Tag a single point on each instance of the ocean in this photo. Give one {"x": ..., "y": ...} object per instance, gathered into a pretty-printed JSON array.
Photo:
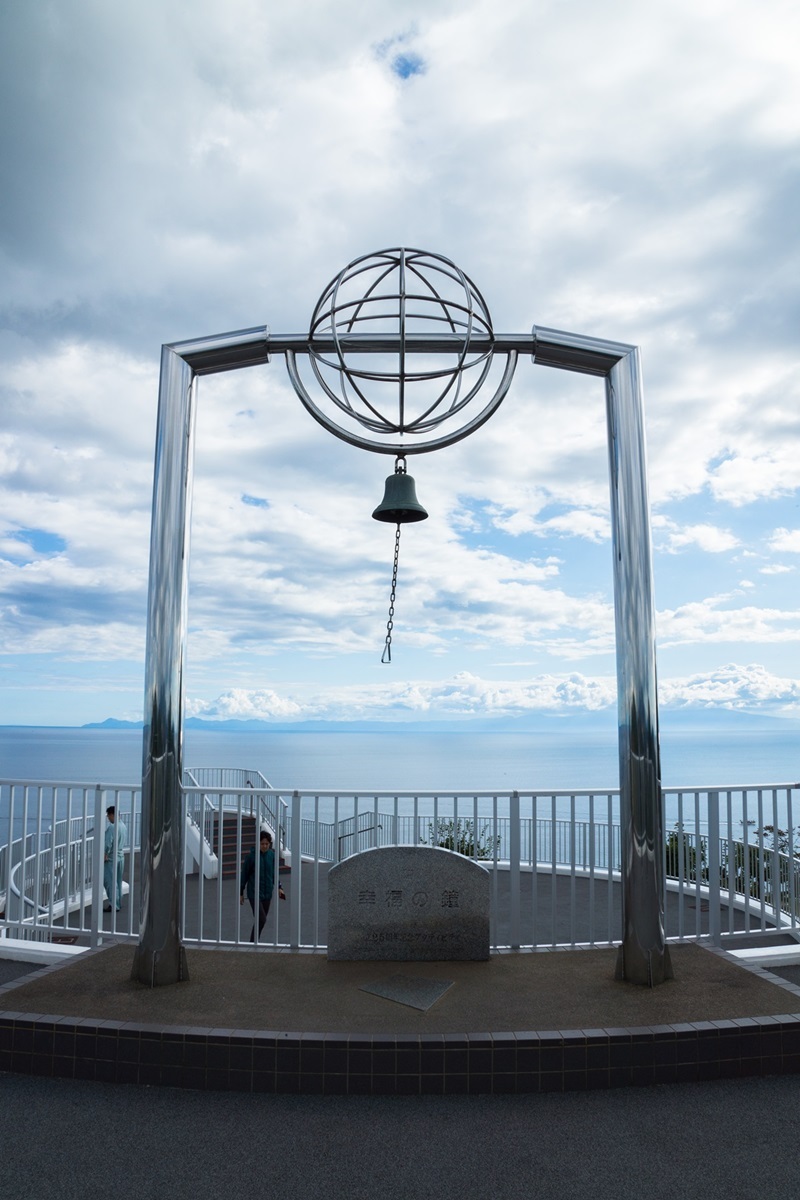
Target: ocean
[
  {"x": 470, "y": 761},
  {"x": 364, "y": 762}
]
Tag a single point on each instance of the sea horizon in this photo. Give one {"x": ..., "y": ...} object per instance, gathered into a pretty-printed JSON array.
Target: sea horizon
[
  {"x": 543, "y": 720},
  {"x": 570, "y": 756}
]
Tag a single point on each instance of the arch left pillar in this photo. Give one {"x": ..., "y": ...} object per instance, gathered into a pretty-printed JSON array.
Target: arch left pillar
[{"x": 160, "y": 957}]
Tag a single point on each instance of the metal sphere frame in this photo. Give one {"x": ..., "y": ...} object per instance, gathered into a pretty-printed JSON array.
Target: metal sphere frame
[
  {"x": 341, "y": 319},
  {"x": 160, "y": 957}
]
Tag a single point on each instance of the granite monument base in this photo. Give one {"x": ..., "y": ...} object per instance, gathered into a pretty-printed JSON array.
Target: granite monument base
[{"x": 408, "y": 904}]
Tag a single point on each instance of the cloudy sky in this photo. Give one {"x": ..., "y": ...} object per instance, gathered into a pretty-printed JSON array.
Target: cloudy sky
[{"x": 620, "y": 170}]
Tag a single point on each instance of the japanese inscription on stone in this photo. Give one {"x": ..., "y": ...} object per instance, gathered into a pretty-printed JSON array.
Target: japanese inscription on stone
[{"x": 408, "y": 903}]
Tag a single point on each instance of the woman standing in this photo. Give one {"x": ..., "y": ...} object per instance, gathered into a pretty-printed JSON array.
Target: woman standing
[{"x": 266, "y": 879}]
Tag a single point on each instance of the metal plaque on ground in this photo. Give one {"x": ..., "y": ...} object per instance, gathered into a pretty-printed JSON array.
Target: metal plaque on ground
[
  {"x": 408, "y": 904},
  {"x": 409, "y": 990}
]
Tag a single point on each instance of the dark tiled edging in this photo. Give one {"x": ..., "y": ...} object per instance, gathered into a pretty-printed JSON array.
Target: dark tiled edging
[{"x": 335, "y": 1064}]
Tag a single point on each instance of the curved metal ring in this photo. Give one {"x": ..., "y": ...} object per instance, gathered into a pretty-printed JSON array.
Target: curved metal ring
[{"x": 363, "y": 443}]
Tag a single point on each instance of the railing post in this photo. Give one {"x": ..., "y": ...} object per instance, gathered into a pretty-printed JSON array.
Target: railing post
[
  {"x": 295, "y": 881},
  {"x": 514, "y": 870},
  {"x": 96, "y": 938},
  {"x": 714, "y": 913}
]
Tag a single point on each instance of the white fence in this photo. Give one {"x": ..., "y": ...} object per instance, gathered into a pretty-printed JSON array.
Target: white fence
[
  {"x": 51, "y": 863},
  {"x": 554, "y": 858}
]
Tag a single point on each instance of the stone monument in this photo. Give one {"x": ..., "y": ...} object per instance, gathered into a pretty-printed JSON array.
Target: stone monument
[{"x": 408, "y": 904}]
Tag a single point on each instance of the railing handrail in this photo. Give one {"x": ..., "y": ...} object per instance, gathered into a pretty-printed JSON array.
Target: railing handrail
[
  {"x": 54, "y": 866},
  {"x": 729, "y": 787},
  {"x": 394, "y": 794},
  {"x": 75, "y": 784},
  {"x": 403, "y": 793}
]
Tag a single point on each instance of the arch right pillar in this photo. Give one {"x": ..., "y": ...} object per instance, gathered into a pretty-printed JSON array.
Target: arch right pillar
[{"x": 643, "y": 956}]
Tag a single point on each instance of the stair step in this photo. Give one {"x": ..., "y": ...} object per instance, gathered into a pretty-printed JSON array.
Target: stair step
[{"x": 229, "y": 854}]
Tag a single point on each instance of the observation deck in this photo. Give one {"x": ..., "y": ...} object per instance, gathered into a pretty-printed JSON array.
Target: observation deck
[{"x": 278, "y": 1016}]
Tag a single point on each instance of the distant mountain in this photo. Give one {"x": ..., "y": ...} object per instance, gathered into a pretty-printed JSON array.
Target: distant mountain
[
  {"x": 113, "y": 723},
  {"x": 670, "y": 718},
  {"x": 721, "y": 718}
]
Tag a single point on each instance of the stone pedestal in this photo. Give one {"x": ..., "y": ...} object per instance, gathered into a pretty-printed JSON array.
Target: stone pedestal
[{"x": 408, "y": 904}]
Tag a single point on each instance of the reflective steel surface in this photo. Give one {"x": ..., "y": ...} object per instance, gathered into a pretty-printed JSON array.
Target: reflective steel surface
[
  {"x": 644, "y": 957},
  {"x": 403, "y": 447},
  {"x": 398, "y": 294},
  {"x": 160, "y": 957}
]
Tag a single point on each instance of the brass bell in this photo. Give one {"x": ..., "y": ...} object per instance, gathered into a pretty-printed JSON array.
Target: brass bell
[{"x": 399, "y": 505}]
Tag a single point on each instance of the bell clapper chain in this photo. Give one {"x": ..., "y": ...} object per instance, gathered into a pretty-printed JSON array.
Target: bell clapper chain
[
  {"x": 398, "y": 507},
  {"x": 386, "y": 657}
]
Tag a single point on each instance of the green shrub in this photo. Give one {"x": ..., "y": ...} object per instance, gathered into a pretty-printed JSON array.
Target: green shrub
[
  {"x": 462, "y": 837},
  {"x": 684, "y": 855}
]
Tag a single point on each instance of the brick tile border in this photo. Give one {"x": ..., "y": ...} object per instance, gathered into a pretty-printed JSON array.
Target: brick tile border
[{"x": 250, "y": 1060}]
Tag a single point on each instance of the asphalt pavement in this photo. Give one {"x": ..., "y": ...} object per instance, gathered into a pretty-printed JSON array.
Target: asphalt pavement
[{"x": 74, "y": 1140}]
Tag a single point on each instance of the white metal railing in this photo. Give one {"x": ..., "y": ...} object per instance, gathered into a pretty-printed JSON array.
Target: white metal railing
[
  {"x": 740, "y": 844},
  {"x": 541, "y": 839},
  {"x": 51, "y": 862},
  {"x": 235, "y": 779},
  {"x": 227, "y": 784},
  {"x": 729, "y": 854},
  {"x": 569, "y": 842}
]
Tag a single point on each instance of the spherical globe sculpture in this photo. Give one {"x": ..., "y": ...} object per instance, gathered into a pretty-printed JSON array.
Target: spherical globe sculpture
[{"x": 401, "y": 344}]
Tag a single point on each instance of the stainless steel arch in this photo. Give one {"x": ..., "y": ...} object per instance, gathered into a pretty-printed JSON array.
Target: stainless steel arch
[{"x": 644, "y": 957}]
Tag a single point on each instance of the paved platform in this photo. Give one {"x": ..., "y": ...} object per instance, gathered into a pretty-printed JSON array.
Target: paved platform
[
  {"x": 304, "y": 993},
  {"x": 256, "y": 1020}
]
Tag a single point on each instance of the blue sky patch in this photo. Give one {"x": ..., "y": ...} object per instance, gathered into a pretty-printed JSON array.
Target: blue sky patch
[
  {"x": 408, "y": 64},
  {"x": 41, "y": 541},
  {"x": 405, "y": 62},
  {"x": 255, "y": 501}
]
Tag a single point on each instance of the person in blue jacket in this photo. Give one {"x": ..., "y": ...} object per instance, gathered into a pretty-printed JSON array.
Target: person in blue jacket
[{"x": 266, "y": 880}]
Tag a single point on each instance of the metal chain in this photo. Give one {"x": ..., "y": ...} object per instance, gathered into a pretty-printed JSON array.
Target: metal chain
[{"x": 386, "y": 657}]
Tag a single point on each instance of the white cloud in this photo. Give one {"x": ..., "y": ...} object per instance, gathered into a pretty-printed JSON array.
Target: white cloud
[
  {"x": 239, "y": 704},
  {"x": 637, "y": 184},
  {"x": 463, "y": 695},
  {"x": 707, "y": 621},
  {"x": 785, "y": 541},
  {"x": 732, "y": 686},
  {"x": 745, "y": 478},
  {"x": 595, "y": 527},
  {"x": 76, "y": 641},
  {"x": 708, "y": 538},
  {"x": 750, "y": 688}
]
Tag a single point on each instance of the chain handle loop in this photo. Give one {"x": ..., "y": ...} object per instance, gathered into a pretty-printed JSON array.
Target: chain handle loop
[{"x": 386, "y": 657}]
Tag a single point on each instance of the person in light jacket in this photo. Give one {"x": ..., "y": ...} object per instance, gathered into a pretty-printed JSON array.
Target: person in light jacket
[
  {"x": 266, "y": 880},
  {"x": 113, "y": 859}
]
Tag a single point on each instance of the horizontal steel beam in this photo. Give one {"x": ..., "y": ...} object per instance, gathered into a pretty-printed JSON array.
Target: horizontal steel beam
[{"x": 547, "y": 347}]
